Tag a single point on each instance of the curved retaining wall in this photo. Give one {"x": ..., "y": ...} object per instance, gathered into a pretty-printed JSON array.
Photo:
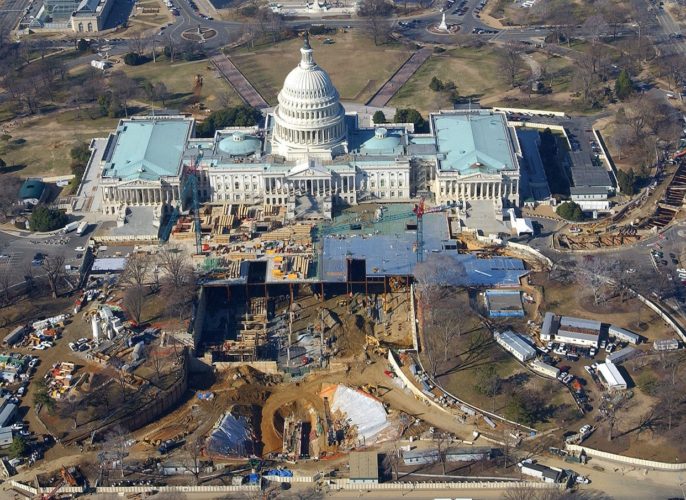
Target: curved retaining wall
[{"x": 627, "y": 460}]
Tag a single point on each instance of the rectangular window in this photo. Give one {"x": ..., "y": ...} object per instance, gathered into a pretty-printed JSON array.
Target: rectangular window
[
  {"x": 237, "y": 186},
  {"x": 382, "y": 183},
  {"x": 392, "y": 194}
]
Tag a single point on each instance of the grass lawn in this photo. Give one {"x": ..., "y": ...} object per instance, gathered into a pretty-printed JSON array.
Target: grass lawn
[
  {"x": 476, "y": 72},
  {"x": 356, "y": 66},
  {"x": 139, "y": 22},
  {"x": 42, "y": 144},
  {"x": 179, "y": 79}
]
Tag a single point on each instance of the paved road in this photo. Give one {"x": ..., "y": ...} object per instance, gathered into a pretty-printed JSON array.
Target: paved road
[
  {"x": 409, "y": 68},
  {"x": 236, "y": 79}
]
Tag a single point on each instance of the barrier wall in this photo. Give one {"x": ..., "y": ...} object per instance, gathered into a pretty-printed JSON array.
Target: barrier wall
[
  {"x": 532, "y": 111},
  {"x": 410, "y": 385},
  {"x": 292, "y": 479},
  {"x": 346, "y": 484},
  {"x": 530, "y": 251},
  {"x": 626, "y": 460},
  {"x": 667, "y": 318},
  {"x": 413, "y": 319}
]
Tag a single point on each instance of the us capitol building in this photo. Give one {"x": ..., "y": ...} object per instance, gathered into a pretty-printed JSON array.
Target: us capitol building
[{"x": 309, "y": 155}]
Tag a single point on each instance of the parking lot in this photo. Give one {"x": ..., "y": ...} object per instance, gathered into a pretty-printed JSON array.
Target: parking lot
[{"x": 17, "y": 253}]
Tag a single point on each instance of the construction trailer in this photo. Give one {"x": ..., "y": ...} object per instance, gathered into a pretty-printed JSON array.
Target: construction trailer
[
  {"x": 543, "y": 472},
  {"x": 610, "y": 377},
  {"x": 623, "y": 335},
  {"x": 622, "y": 355},
  {"x": 516, "y": 344},
  {"x": 544, "y": 369},
  {"x": 666, "y": 345}
]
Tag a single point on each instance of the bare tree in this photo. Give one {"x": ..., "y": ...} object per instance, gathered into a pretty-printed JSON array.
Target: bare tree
[
  {"x": 511, "y": 60},
  {"x": 192, "y": 457},
  {"x": 123, "y": 87},
  {"x": 377, "y": 25},
  {"x": 391, "y": 461},
  {"x": 138, "y": 44},
  {"x": 137, "y": 268},
  {"x": 117, "y": 442},
  {"x": 442, "y": 442},
  {"x": 5, "y": 285},
  {"x": 134, "y": 299},
  {"x": 54, "y": 269}
]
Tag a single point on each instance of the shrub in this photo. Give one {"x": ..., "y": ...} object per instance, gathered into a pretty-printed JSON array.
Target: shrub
[
  {"x": 133, "y": 59},
  {"x": 47, "y": 219},
  {"x": 238, "y": 116},
  {"x": 379, "y": 117},
  {"x": 570, "y": 211}
]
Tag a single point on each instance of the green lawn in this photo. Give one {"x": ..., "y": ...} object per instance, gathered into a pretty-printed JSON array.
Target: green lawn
[
  {"x": 476, "y": 72},
  {"x": 357, "y": 67}
]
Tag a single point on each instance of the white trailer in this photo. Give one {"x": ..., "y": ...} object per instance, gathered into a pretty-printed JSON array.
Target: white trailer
[
  {"x": 82, "y": 228},
  {"x": 71, "y": 227}
]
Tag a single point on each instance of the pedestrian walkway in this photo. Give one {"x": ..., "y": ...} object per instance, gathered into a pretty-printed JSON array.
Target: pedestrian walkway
[
  {"x": 241, "y": 84},
  {"x": 399, "y": 78}
]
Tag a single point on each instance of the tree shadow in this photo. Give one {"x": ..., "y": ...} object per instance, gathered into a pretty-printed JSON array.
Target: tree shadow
[{"x": 11, "y": 169}]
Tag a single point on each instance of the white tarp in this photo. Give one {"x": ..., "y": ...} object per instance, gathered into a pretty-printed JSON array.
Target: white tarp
[
  {"x": 233, "y": 436},
  {"x": 364, "y": 412}
]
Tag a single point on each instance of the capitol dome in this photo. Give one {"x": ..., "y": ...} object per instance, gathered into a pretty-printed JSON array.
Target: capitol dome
[{"x": 309, "y": 119}]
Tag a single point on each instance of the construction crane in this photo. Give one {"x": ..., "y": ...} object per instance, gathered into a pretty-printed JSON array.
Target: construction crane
[
  {"x": 190, "y": 187},
  {"x": 417, "y": 212},
  {"x": 51, "y": 495}
]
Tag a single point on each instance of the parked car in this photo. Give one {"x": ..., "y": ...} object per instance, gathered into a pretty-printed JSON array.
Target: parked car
[
  {"x": 586, "y": 428},
  {"x": 80, "y": 249},
  {"x": 568, "y": 378}
]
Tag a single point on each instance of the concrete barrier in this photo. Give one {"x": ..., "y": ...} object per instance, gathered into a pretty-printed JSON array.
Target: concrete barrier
[
  {"x": 531, "y": 251},
  {"x": 127, "y": 490},
  {"x": 413, "y": 319},
  {"x": 24, "y": 487},
  {"x": 532, "y": 111},
  {"x": 666, "y": 317},
  {"x": 410, "y": 385},
  {"x": 292, "y": 479},
  {"x": 639, "y": 462},
  {"x": 346, "y": 484}
]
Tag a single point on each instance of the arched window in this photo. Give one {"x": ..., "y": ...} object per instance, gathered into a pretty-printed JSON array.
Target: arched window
[
  {"x": 80, "y": 27},
  {"x": 90, "y": 26}
]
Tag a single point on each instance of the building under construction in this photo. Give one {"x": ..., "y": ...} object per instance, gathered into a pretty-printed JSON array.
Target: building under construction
[{"x": 257, "y": 267}]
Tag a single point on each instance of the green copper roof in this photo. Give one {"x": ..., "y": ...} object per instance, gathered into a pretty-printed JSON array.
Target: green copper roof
[
  {"x": 475, "y": 142},
  {"x": 240, "y": 144},
  {"x": 31, "y": 188},
  {"x": 148, "y": 149}
]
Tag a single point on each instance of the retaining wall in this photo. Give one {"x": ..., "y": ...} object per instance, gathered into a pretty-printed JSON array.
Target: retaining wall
[
  {"x": 627, "y": 460},
  {"x": 530, "y": 251},
  {"x": 664, "y": 315},
  {"x": 410, "y": 385}
]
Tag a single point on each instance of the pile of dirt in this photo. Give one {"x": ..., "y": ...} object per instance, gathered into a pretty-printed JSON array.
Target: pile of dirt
[{"x": 350, "y": 336}]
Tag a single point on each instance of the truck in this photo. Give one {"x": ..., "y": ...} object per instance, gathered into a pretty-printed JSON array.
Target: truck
[
  {"x": 82, "y": 228},
  {"x": 71, "y": 227}
]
